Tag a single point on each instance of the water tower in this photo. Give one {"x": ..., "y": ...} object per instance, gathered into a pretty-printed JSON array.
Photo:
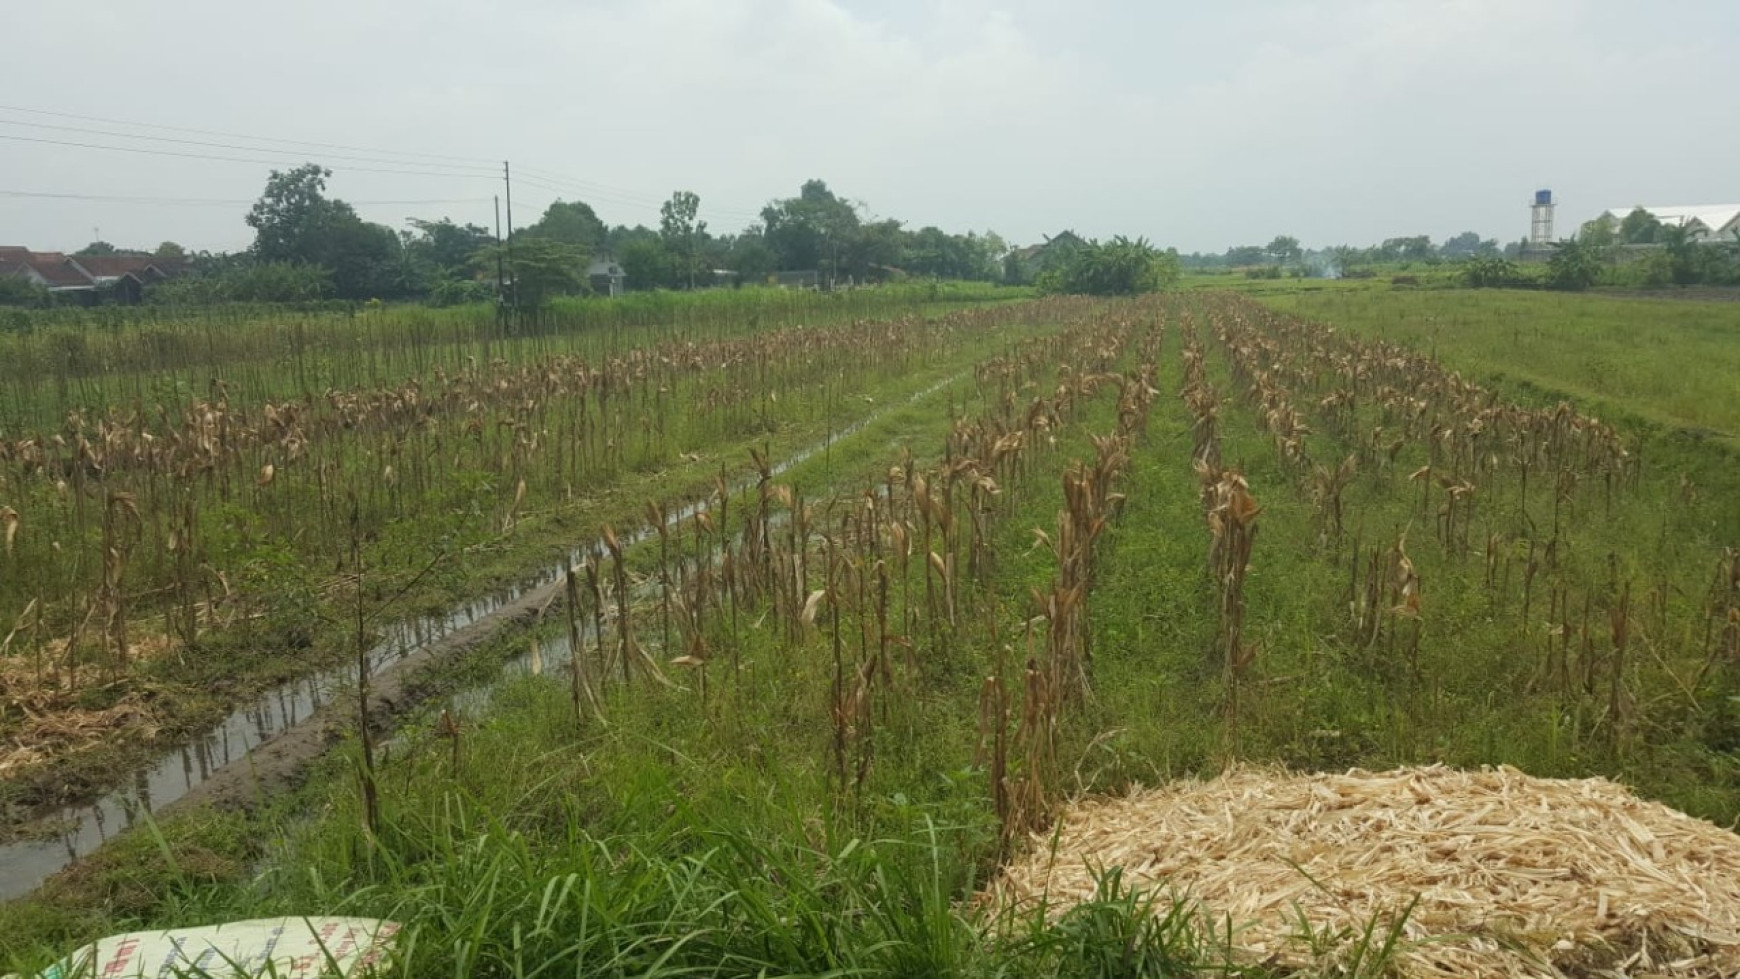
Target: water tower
[{"x": 1541, "y": 218}]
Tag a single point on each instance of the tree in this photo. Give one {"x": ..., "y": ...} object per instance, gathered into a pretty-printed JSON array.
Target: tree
[
  {"x": 1343, "y": 259},
  {"x": 750, "y": 257},
  {"x": 169, "y": 251},
  {"x": 1688, "y": 262},
  {"x": 97, "y": 249},
  {"x": 871, "y": 251},
  {"x": 290, "y": 213},
  {"x": 444, "y": 248},
  {"x": 1640, "y": 228},
  {"x": 1467, "y": 245},
  {"x": 647, "y": 264},
  {"x": 810, "y": 231},
  {"x": 538, "y": 269},
  {"x": 295, "y": 222},
  {"x": 1575, "y": 266},
  {"x": 1246, "y": 255},
  {"x": 679, "y": 229},
  {"x": 572, "y": 223},
  {"x": 992, "y": 247},
  {"x": 934, "y": 252},
  {"x": 1599, "y": 233},
  {"x": 1284, "y": 250},
  {"x": 1415, "y": 248}
]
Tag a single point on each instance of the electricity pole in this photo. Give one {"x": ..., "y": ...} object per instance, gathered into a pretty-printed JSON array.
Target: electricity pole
[
  {"x": 507, "y": 177},
  {"x": 500, "y": 272}
]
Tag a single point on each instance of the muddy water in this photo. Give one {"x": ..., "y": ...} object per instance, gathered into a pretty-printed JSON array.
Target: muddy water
[{"x": 62, "y": 837}]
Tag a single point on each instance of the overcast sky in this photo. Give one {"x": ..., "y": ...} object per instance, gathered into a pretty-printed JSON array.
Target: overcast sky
[{"x": 1199, "y": 125}]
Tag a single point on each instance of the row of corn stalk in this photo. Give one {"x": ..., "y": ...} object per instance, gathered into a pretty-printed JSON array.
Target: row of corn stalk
[{"x": 1501, "y": 482}]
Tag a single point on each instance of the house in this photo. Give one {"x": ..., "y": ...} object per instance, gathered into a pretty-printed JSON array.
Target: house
[
  {"x": 126, "y": 275},
  {"x": 1703, "y": 222},
  {"x": 87, "y": 278},
  {"x": 15, "y": 264},
  {"x": 606, "y": 277}
]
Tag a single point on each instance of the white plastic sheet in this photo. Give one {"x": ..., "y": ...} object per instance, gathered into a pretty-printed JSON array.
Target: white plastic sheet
[{"x": 282, "y": 948}]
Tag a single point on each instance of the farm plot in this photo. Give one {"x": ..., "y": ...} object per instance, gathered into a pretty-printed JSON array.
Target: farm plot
[
  {"x": 163, "y": 557},
  {"x": 799, "y": 726}
]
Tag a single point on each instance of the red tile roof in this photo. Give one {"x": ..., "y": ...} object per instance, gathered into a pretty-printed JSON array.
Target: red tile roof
[
  {"x": 114, "y": 266},
  {"x": 59, "y": 271},
  {"x": 62, "y": 271}
]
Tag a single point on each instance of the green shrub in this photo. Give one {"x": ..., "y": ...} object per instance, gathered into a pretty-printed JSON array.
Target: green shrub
[
  {"x": 1490, "y": 272},
  {"x": 1120, "y": 267}
]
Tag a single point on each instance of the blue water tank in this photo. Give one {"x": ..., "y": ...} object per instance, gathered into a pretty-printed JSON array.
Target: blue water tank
[{"x": 1543, "y": 198}]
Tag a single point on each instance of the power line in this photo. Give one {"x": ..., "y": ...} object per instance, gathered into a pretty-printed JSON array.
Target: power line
[
  {"x": 631, "y": 201},
  {"x": 607, "y": 191},
  {"x": 231, "y": 146},
  {"x": 257, "y": 139},
  {"x": 225, "y": 159},
  {"x": 464, "y": 167},
  {"x": 588, "y": 186},
  {"x": 213, "y": 202},
  {"x": 605, "y": 197}
]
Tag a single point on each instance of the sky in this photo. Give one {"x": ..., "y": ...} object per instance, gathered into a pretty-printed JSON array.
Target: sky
[{"x": 1198, "y": 125}]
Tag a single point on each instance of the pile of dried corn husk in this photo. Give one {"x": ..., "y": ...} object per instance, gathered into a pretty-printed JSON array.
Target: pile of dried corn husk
[{"x": 1516, "y": 876}]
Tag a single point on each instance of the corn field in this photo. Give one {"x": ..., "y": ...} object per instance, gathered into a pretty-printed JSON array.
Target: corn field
[{"x": 1065, "y": 547}]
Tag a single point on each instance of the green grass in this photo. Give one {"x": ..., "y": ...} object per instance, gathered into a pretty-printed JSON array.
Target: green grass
[{"x": 1672, "y": 363}]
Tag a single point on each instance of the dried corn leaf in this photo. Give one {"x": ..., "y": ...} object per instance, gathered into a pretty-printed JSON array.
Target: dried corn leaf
[{"x": 1516, "y": 876}]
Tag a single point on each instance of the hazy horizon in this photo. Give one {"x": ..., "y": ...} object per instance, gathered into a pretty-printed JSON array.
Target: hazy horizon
[{"x": 1345, "y": 122}]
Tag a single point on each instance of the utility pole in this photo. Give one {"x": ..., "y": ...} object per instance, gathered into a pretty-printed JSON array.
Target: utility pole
[
  {"x": 500, "y": 276},
  {"x": 507, "y": 178}
]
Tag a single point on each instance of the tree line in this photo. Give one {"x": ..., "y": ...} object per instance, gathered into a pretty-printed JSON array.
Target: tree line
[
  {"x": 309, "y": 245},
  {"x": 1285, "y": 254},
  {"x": 1638, "y": 251}
]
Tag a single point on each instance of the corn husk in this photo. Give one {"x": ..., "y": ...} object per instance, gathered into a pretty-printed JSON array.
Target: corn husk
[{"x": 1514, "y": 875}]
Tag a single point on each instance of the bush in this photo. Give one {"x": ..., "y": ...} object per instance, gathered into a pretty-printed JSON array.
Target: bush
[
  {"x": 261, "y": 282},
  {"x": 1489, "y": 273},
  {"x": 1120, "y": 267},
  {"x": 17, "y": 292},
  {"x": 1574, "y": 266}
]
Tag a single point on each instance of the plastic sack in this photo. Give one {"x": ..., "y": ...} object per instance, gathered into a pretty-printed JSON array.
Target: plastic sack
[{"x": 281, "y": 948}]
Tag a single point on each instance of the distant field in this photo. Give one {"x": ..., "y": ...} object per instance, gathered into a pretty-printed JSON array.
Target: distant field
[{"x": 1669, "y": 361}]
